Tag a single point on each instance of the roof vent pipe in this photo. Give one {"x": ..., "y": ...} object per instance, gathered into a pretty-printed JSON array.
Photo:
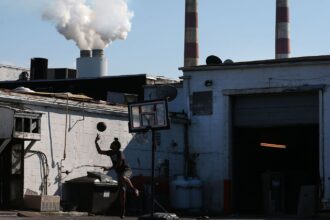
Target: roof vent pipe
[{"x": 213, "y": 60}]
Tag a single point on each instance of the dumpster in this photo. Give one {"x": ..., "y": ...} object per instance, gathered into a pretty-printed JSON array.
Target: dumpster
[{"x": 95, "y": 193}]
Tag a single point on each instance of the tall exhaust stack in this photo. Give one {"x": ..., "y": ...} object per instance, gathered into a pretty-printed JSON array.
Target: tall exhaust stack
[
  {"x": 191, "y": 34},
  {"x": 92, "y": 64},
  {"x": 282, "y": 45}
]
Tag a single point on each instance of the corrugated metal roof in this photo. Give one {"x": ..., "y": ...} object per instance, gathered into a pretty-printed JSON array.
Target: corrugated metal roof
[{"x": 61, "y": 100}]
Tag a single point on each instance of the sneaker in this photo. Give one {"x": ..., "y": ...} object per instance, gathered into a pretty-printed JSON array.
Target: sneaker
[{"x": 122, "y": 215}]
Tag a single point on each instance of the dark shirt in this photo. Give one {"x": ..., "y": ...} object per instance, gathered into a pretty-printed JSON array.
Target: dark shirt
[
  {"x": 118, "y": 161},
  {"x": 117, "y": 157}
]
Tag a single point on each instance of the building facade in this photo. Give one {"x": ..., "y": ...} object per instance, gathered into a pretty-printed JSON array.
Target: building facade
[
  {"x": 259, "y": 129},
  {"x": 52, "y": 138}
]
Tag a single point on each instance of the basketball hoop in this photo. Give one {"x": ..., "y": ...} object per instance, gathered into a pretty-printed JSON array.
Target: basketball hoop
[{"x": 149, "y": 115}]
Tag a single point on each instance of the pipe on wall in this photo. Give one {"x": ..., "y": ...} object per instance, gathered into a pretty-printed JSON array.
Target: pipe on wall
[{"x": 321, "y": 150}]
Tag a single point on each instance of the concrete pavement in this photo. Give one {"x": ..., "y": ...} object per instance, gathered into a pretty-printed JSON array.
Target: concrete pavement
[
  {"x": 41, "y": 217},
  {"x": 30, "y": 215}
]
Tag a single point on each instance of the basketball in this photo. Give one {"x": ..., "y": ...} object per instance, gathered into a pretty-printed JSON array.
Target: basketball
[{"x": 101, "y": 126}]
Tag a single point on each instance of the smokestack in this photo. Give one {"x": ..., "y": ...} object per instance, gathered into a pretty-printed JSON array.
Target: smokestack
[
  {"x": 98, "y": 53},
  {"x": 282, "y": 44},
  {"x": 85, "y": 53},
  {"x": 92, "y": 64},
  {"x": 191, "y": 34}
]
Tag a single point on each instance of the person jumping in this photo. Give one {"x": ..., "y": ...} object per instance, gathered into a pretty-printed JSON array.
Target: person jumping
[{"x": 123, "y": 170}]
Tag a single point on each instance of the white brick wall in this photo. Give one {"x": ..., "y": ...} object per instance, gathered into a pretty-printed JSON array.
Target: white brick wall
[{"x": 81, "y": 153}]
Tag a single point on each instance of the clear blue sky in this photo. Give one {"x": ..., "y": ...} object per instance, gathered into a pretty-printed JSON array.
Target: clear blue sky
[{"x": 241, "y": 30}]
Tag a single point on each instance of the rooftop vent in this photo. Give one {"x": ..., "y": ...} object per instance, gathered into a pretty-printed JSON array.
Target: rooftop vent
[
  {"x": 38, "y": 69},
  {"x": 213, "y": 60},
  {"x": 228, "y": 61}
]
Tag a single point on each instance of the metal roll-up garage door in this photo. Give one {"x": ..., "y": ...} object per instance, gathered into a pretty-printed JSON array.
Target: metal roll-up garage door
[{"x": 276, "y": 109}]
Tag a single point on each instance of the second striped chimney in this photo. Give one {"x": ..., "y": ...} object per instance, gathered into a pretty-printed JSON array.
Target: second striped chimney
[
  {"x": 282, "y": 44},
  {"x": 191, "y": 34}
]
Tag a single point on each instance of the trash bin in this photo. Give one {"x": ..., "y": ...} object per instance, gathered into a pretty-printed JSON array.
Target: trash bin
[{"x": 94, "y": 193}]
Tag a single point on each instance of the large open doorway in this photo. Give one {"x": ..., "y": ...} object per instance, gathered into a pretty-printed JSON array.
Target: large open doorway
[
  {"x": 11, "y": 174},
  {"x": 292, "y": 163},
  {"x": 275, "y": 151}
]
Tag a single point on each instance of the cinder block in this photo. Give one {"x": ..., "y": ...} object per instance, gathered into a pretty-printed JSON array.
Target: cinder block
[{"x": 42, "y": 203}]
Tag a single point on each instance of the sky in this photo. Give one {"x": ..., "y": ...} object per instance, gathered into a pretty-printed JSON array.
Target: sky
[{"x": 241, "y": 30}]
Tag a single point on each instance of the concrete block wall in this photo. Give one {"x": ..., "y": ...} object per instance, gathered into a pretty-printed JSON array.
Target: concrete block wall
[
  {"x": 139, "y": 151},
  {"x": 209, "y": 135},
  {"x": 81, "y": 155},
  {"x": 172, "y": 141}
]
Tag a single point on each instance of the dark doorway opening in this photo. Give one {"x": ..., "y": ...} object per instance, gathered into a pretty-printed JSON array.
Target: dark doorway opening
[
  {"x": 286, "y": 157},
  {"x": 12, "y": 175}
]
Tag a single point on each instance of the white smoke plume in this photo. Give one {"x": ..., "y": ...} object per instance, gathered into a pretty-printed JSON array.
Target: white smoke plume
[{"x": 91, "y": 24}]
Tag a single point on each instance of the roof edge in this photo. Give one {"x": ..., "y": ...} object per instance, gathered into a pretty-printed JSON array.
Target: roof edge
[{"x": 292, "y": 60}]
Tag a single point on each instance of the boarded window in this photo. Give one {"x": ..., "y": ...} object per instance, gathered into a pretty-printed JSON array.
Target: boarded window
[
  {"x": 202, "y": 103},
  {"x": 27, "y": 126}
]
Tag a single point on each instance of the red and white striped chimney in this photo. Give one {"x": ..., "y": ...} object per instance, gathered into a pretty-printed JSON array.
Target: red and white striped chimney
[
  {"x": 191, "y": 34},
  {"x": 282, "y": 45}
]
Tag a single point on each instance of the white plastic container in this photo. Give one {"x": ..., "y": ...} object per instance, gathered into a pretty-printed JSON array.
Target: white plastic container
[
  {"x": 179, "y": 192},
  {"x": 196, "y": 195}
]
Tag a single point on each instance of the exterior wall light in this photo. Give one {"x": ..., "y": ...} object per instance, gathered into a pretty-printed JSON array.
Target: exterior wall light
[{"x": 208, "y": 83}]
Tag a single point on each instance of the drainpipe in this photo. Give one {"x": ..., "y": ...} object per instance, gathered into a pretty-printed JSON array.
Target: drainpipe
[
  {"x": 186, "y": 126},
  {"x": 65, "y": 143},
  {"x": 324, "y": 201},
  {"x": 66, "y": 125},
  {"x": 186, "y": 148},
  {"x": 187, "y": 79}
]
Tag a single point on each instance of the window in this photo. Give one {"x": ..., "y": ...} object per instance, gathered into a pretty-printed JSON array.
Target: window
[
  {"x": 27, "y": 126},
  {"x": 202, "y": 103}
]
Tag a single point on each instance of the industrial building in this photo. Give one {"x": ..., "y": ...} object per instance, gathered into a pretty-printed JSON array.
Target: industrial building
[
  {"x": 253, "y": 132},
  {"x": 91, "y": 71},
  {"x": 259, "y": 129},
  {"x": 48, "y": 139},
  {"x": 56, "y": 112}
]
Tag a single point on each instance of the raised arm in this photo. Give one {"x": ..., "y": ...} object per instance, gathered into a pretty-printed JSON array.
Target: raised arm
[{"x": 99, "y": 150}]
